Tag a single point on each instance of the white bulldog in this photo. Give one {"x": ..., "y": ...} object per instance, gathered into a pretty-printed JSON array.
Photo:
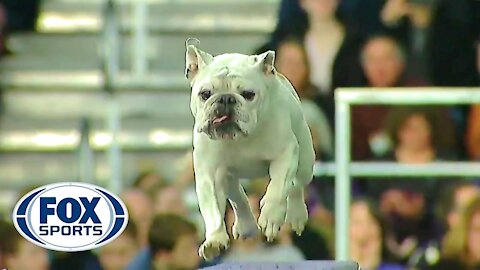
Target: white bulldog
[{"x": 248, "y": 123}]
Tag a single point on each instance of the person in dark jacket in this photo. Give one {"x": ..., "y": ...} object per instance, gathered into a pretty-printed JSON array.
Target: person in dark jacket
[
  {"x": 441, "y": 38},
  {"x": 332, "y": 47},
  {"x": 461, "y": 249}
]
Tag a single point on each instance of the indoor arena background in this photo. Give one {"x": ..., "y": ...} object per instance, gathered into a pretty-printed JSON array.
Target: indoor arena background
[{"x": 94, "y": 91}]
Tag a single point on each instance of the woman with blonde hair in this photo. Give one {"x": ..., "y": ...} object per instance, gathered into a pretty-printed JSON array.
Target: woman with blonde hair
[{"x": 461, "y": 247}]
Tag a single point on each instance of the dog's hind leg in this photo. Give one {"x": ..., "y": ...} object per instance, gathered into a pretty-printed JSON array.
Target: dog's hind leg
[
  {"x": 245, "y": 224},
  {"x": 297, "y": 215}
]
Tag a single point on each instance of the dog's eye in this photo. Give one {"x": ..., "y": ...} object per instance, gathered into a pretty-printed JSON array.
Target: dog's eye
[
  {"x": 248, "y": 94},
  {"x": 205, "y": 94}
]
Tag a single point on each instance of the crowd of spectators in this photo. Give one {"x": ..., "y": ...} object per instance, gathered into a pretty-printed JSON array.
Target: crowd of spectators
[{"x": 396, "y": 223}]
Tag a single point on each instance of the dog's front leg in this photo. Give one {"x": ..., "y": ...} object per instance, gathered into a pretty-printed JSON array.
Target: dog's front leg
[
  {"x": 212, "y": 202},
  {"x": 274, "y": 202}
]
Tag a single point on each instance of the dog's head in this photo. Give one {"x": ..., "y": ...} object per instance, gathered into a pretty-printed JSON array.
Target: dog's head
[{"x": 229, "y": 91}]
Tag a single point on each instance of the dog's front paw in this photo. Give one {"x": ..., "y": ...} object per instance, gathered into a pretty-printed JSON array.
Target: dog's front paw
[
  {"x": 272, "y": 217},
  {"x": 213, "y": 245},
  {"x": 244, "y": 228},
  {"x": 297, "y": 215}
]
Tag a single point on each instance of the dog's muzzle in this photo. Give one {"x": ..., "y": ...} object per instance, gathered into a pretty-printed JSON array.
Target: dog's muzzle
[{"x": 222, "y": 124}]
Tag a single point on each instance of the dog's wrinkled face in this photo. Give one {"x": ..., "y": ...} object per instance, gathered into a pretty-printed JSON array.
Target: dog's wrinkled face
[{"x": 228, "y": 91}]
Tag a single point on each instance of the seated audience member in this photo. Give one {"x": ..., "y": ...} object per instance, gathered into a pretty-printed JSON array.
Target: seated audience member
[
  {"x": 461, "y": 249},
  {"x": 455, "y": 200},
  {"x": 186, "y": 177},
  {"x": 81, "y": 260},
  {"x": 360, "y": 17},
  {"x": 256, "y": 249},
  {"x": 420, "y": 134},
  {"x": 291, "y": 60},
  {"x": 148, "y": 181},
  {"x": 473, "y": 133},
  {"x": 173, "y": 245},
  {"x": 366, "y": 237},
  {"x": 169, "y": 200},
  {"x": 117, "y": 254},
  {"x": 409, "y": 21},
  {"x": 450, "y": 204},
  {"x": 439, "y": 36},
  {"x": 416, "y": 133},
  {"x": 140, "y": 210},
  {"x": 331, "y": 49},
  {"x": 383, "y": 63},
  {"x": 17, "y": 253}
]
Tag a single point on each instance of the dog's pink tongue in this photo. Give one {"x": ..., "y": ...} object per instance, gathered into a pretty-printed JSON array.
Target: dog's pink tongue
[{"x": 221, "y": 119}]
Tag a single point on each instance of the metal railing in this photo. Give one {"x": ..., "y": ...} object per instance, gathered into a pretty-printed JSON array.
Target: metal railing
[
  {"x": 110, "y": 73},
  {"x": 344, "y": 168}
]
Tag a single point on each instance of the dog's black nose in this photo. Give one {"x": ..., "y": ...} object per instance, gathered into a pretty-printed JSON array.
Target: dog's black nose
[{"x": 227, "y": 99}]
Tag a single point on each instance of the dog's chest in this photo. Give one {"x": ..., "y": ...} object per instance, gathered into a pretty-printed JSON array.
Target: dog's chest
[
  {"x": 247, "y": 163},
  {"x": 249, "y": 168}
]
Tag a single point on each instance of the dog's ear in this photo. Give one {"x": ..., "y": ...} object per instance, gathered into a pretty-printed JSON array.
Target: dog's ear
[
  {"x": 195, "y": 59},
  {"x": 266, "y": 62}
]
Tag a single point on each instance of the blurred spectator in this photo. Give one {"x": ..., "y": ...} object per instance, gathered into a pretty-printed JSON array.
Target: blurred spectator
[
  {"x": 461, "y": 249},
  {"x": 450, "y": 204},
  {"x": 454, "y": 35},
  {"x": 332, "y": 52},
  {"x": 173, "y": 245},
  {"x": 292, "y": 20},
  {"x": 256, "y": 249},
  {"x": 149, "y": 182},
  {"x": 186, "y": 176},
  {"x": 17, "y": 253},
  {"x": 170, "y": 200},
  {"x": 417, "y": 135},
  {"x": 291, "y": 60},
  {"x": 117, "y": 254},
  {"x": 312, "y": 243},
  {"x": 440, "y": 37},
  {"x": 140, "y": 210},
  {"x": 367, "y": 232},
  {"x": 473, "y": 133},
  {"x": 383, "y": 63},
  {"x": 21, "y": 14},
  {"x": 454, "y": 201},
  {"x": 331, "y": 49},
  {"x": 453, "y": 39},
  {"x": 81, "y": 260},
  {"x": 360, "y": 16},
  {"x": 409, "y": 21},
  {"x": 16, "y": 15}
]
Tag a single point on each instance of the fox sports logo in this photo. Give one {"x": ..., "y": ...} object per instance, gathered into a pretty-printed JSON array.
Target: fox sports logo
[{"x": 70, "y": 216}]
